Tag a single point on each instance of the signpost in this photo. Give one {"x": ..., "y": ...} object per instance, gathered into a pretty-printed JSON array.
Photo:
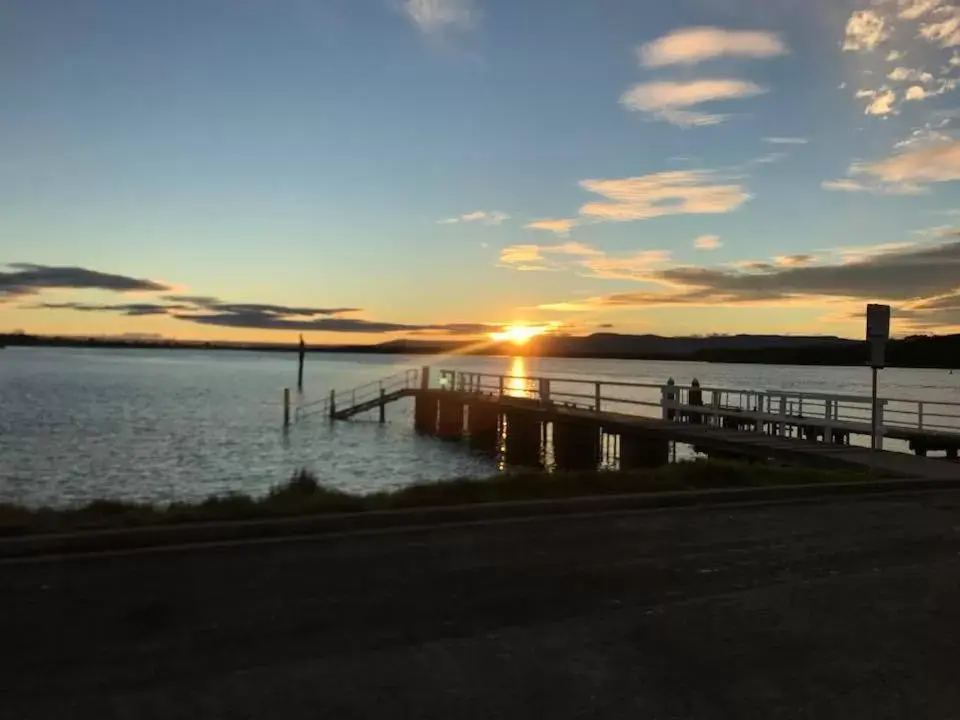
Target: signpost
[{"x": 878, "y": 333}]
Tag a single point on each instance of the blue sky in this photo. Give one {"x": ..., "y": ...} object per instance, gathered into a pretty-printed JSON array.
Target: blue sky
[{"x": 387, "y": 167}]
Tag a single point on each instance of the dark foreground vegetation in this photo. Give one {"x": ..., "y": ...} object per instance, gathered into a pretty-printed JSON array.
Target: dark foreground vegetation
[{"x": 303, "y": 494}]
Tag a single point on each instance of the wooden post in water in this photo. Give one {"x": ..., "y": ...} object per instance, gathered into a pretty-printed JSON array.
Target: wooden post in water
[
  {"x": 286, "y": 407},
  {"x": 383, "y": 406},
  {"x": 333, "y": 404},
  {"x": 300, "y": 365}
]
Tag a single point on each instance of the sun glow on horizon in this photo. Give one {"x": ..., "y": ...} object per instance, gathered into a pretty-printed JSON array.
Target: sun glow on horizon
[{"x": 520, "y": 334}]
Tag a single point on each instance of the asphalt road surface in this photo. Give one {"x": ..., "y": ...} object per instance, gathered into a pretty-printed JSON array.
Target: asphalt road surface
[{"x": 841, "y": 609}]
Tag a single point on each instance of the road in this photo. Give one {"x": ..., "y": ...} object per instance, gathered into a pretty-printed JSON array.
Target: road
[{"x": 840, "y": 609}]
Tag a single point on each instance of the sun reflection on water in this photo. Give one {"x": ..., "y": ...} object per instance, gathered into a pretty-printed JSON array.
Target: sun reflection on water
[{"x": 517, "y": 384}]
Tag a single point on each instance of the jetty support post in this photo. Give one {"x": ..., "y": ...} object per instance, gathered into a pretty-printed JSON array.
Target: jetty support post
[
  {"x": 333, "y": 404},
  {"x": 286, "y": 407},
  {"x": 576, "y": 445},
  {"x": 483, "y": 426},
  {"x": 383, "y": 406},
  {"x": 450, "y": 418},
  {"x": 300, "y": 355},
  {"x": 639, "y": 451},
  {"x": 523, "y": 440}
]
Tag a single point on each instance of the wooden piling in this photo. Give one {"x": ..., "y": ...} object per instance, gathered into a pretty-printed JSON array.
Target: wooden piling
[
  {"x": 383, "y": 406},
  {"x": 300, "y": 365},
  {"x": 523, "y": 440},
  {"x": 286, "y": 407},
  {"x": 643, "y": 451},
  {"x": 425, "y": 413},
  {"x": 483, "y": 426},
  {"x": 576, "y": 445},
  {"x": 450, "y": 423}
]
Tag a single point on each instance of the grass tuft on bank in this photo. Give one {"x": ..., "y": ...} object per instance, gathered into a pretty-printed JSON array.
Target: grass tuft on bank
[{"x": 304, "y": 494}]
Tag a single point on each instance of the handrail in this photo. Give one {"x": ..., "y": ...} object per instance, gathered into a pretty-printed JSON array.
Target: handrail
[
  {"x": 360, "y": 394},
  {"x": 820, "y": 409},
  {"x": 824, "y": 410}
]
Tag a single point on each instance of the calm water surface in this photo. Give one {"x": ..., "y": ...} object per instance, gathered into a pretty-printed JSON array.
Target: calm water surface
[{"x": 78, "y": 424}]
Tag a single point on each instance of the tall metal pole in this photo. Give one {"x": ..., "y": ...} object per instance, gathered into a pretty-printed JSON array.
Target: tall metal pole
[{"x": 873, "y": 409}]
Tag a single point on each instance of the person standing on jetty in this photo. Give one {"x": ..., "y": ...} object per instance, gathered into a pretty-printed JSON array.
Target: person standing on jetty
[
  {"x": 670, "y": 398},
  {"x": 696, "y": 398}
]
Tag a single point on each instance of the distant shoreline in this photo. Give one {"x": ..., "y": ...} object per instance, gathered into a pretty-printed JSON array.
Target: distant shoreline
[{"x": 918, "y": 352}]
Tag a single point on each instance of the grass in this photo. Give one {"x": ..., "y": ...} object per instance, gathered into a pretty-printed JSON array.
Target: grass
[{"x": 303, "y": 494}]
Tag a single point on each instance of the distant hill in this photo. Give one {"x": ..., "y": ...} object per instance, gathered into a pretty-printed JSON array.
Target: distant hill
[
  {"x": 915, "y": 351},
  {"x": 614, "y": 345}
]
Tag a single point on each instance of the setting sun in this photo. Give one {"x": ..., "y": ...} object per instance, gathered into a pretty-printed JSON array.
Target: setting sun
[{"x": 519, "y": 334}]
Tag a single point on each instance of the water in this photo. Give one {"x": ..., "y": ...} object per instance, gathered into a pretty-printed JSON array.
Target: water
[{"x": 80, "y": 424}]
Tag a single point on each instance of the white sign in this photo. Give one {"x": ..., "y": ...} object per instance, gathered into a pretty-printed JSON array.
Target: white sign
[{"x": 878, "y": 332}]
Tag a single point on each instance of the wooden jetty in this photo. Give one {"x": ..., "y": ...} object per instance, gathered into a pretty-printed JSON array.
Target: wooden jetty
[{"x": 584, "y": 422}]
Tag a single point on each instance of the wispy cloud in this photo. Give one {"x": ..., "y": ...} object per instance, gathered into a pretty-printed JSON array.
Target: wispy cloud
[
  {"x": 128, "y": 309},
  {"x": 585, "y": 260},
  {"x": 922, "y": 280},
  {"x": 530, "y": 257},
  {"x": 914, "y": 168},
  {"x": 692, "y": 45},
  {"x": 904, "y": 74},
  {"x": 935, "y": 21},
  {"x": 560, "y": 227},
  {"x": 853, "y": 254},
  {"x": 844, "y": 185},
  {"x": 486, "y": 217},
  {"x": 799, "y": 260},
  {"x": 786, "y": 140},
  {"x": 945, "y": 31},
  {"x": 707, "y": 242},
  {"x": 882, "y": 102},
  {"x": 671, "y": 100},
  {"x": 434, "y": 16},
  {"x": 866, "y": 29},
  {"x": 874, "y": 188},
  {"x": 639, "y": 265},
  {"x": 914, "y": 9},
  {"x": 680, "y": 192},
  {"x": 575, "y": 249}
]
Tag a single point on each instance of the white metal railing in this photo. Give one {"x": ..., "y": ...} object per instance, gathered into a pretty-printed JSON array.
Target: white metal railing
[
  {"x": 785, "y": 411},
  {"x": 347, "y": 399}
]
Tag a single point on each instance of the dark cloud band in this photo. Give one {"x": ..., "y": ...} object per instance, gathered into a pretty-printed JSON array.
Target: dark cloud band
[
  {"x": 26, "y": 279},
  {"x": 29, "y": 279}
]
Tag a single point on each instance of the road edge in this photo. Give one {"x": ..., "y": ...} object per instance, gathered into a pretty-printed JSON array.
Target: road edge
[{"x": 127, "y": 539}]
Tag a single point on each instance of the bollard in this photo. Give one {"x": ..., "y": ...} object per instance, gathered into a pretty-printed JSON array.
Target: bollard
[{"x": 286, "y": 407}]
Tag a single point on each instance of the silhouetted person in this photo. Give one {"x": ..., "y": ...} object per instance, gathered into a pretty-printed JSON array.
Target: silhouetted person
[
  {"x": 670, "y": 397},
  {"x": 696, "y": 398}
]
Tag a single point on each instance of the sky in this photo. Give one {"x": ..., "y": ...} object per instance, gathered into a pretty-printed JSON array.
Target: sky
[{"x": 363, "y": 170}]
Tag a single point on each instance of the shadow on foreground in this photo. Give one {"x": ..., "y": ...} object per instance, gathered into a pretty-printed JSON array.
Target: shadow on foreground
[{"x": 843, "y": 609}]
